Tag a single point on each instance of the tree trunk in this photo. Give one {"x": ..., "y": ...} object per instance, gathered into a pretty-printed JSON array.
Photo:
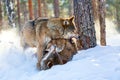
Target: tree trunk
[
  {"x": 56, "y": 8},
  {"x": 70, "y": 7},
  {"x": 10, "y": 12},
  {"x": 35, "y": 8},
  {"x": 117, "y": 9},
  {"x": 0, "y": 14},
  {"x": 39, "y": 8},
  {"x": 25, "y": 11},
  {"x": 4, "y": 9},
  {"x": 30, "y": 6},
  {"x": 101, "y": 5},
  {"x": 118, "y": 18},
  {"x": 95, "y": 9},
  {"x": 45, "y": 8},
  {"x": 18, "y": 11},
  {"x": 85, "y": 23}
]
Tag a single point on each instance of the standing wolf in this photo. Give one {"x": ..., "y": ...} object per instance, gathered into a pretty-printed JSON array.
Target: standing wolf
[
  {"x": 28, "y": 33},
  {"x": 52, "y": 29}
]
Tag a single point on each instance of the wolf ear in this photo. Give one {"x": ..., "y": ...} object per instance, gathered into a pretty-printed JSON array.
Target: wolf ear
[{"x": 72, "y": 18}]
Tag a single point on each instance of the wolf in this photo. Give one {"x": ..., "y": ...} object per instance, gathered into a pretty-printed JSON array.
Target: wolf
[
  {"x": 58, "y": 51},
  {"x": 28, "y": 33}
]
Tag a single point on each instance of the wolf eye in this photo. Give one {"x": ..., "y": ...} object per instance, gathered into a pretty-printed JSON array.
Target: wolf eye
[{"x": 66, "y": 23}]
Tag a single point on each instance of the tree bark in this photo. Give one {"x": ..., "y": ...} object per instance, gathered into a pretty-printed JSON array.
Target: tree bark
[
  {"x": 39, "y": 8},
  {"x": 85, "y": 23},
  {"x": 118, "y": 18},
  {"x": 18, "y": 11},
  {"x": 30, "y": 6},
  {"x": 10, "y": 12},
  {"x": 25, "y": 11},
  {"x": 0, "y": 13},
  {"x": 70, "y": 7},
  {"x": 101, "y": 5},
  {"x": 35, "y": 8},
  {"x": 95, "y": 9},
  {"x": 45, "y": 8},
  {"x": 117, "y": 9},
  {"x": 56, "y": 8}
]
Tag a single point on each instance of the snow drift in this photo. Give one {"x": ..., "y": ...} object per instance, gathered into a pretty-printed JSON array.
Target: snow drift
[{"x": 99, "y": 63}]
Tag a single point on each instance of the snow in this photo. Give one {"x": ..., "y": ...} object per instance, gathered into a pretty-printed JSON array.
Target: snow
[{"x": 99, "y": 63}]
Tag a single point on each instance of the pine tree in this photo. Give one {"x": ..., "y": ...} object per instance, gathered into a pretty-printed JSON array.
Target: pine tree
[
  {"x": 95, "y": 8},
  {"x": 0, "y": 13},
  {"x": 24, "y": 10},
  {"x": 10, "y": 12},
  {"x": 85, "y": 23},
  {"x": 45, "y": 9},
  {"x": 30, "y": 6},
  {"x": 56, "y": 8},
  {"x": 18, "y": 11},
  {"x": 39, "y": 8},
  {"x": 70, "y": 7},
  {"x": 101, "y": 5},
  {"x": 117, "y": 11}
]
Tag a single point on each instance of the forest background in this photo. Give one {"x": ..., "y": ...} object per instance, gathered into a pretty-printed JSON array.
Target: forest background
[{"x": 24, "y": 10}]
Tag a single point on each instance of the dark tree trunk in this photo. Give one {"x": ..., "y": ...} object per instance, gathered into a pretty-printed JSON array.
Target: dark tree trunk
[
  {"x": 30, "y": 6},
  {"x": 95, "y": 8},
  {"x": 4, "y": 9},
  {"x": 117, "y": 9},
  {"x": 56, "y": 8},
  {"x": 0, "y": 13},
  {"x": 35, "y": 8},
  {"x": 18, "y": 11},
  {"x": 85, "y": 23},
  {"x": 45, "y": 8},
  {"x": 39, "y": 8},
  {"x": 70, "y": 7},
  {"x": 25, "y": 11},
  {"x": 118, "y": 18},
  {"x": 101, "y": 5},
  {"x": 10, "y": 12}
]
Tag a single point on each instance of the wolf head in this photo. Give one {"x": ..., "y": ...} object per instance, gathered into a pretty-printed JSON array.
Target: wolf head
[{"x": 69, "y": 28}]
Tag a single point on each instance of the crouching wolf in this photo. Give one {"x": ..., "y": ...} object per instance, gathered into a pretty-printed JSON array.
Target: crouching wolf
[{"x": 58, "y": 51}]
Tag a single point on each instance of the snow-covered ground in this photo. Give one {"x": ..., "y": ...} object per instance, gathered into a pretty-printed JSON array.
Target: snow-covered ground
[{"x": 99, "y": 63}]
